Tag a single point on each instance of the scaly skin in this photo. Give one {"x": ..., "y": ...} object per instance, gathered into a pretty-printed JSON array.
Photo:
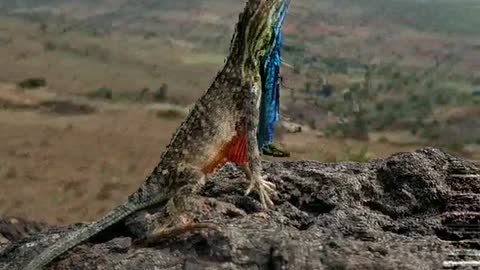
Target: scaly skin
[{"x": 221, "y": 127}]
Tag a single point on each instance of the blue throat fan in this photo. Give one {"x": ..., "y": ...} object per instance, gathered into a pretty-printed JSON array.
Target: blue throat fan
[{"x": 270, "y": 75}]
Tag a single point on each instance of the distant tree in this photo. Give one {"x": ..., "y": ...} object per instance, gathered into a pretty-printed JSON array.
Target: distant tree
[
  {"x": 32, "y": 83},
  {"x": 43, "y": 28},
  {"x": 161, "y": 93}
]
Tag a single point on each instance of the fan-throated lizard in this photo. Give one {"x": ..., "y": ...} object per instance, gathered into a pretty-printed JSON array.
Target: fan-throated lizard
[{"x": 221, "y": 127}]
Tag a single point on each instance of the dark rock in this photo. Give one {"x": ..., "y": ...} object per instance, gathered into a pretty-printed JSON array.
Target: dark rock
[
  {"x": 14, "y": 229},
  {"x": 410, "y": 211}
]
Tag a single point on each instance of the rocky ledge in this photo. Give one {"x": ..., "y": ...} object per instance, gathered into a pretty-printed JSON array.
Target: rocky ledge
[{"x": 418, "y": 210}]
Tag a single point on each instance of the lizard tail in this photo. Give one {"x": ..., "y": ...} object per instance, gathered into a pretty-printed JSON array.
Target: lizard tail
[{"x": 76, "y": 237}]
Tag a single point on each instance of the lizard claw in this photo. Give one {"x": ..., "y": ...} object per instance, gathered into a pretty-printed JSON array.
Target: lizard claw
[
  {"x": 175, "y": 227},
  {"x": 264, "y": 188}
]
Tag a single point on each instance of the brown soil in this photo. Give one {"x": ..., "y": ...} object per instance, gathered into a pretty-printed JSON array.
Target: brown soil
[
  {"x": 62, "y": 169},
  {"x": 71, "y": 160}
]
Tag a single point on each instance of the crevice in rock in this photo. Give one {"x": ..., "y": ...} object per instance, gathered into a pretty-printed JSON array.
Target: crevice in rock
[{"x": 317, "y": 207}]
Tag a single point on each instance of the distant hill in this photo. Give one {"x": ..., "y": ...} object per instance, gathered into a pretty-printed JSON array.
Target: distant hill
[
  {"x": 361, "y": 30},
  {"x": 425, "y": 15}
]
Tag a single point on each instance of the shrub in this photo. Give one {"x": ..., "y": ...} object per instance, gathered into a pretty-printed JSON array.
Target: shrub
[
  {"x": 33, "y": 83},
  {"x": 161, "y": 93},
  {"x": 101, "y": 93}
]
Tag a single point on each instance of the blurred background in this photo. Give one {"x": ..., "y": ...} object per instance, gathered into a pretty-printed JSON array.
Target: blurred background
[{"x": 91, "y": 91}]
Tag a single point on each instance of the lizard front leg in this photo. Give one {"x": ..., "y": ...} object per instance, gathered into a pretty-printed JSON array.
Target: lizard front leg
[{"x": 253, "y": 169}]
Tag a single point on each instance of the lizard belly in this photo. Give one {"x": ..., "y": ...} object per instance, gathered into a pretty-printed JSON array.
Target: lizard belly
[{"x": 234, "y": 151}]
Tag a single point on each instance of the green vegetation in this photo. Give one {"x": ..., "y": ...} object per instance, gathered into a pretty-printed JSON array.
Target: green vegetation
[
  {"x": 393, "y": 98},
  {"x": 161, "y": 93},
  {"x": 32, "y": 83},
  {"x": 101, "y": 93}
]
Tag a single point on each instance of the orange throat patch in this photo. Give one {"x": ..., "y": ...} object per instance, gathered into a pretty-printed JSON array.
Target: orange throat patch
[{"x": 234, "y": 151}]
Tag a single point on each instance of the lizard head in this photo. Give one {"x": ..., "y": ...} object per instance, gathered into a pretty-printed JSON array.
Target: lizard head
[{"x": 256, "y": 34}]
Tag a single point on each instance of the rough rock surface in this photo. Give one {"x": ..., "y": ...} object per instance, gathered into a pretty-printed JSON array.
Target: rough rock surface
[{"x": 418, "y": 210}]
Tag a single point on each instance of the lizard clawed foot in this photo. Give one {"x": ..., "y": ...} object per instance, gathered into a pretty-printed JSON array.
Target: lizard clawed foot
[
  {"x": 264, "y": 188},
  {"x": 169, "y": 230}
]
